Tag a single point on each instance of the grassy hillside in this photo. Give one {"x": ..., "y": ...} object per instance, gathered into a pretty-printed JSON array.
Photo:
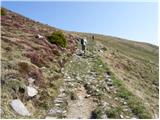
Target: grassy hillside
[
  {"x": 25, "y": 57},
  {"x": 61, "y": 75}
]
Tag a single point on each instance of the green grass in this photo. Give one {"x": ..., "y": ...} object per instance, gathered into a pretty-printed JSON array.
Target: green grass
[
  {"x": 136, "y": 105},
  {"x": 134, "y": 102},
  {"x": 97, "y": 113},
  {"x": 123, "y": 93},
  {"x": 116, "y": 81},
  {"x": 114, "y": 112},
  {"x": 138, "y": 108},
  {"x": 99, "y": 66}
]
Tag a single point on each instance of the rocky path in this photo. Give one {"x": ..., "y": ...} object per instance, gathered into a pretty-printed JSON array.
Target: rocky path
[
  {"x": 80, "y": 103},
  {"x": 73, "y": 100}
]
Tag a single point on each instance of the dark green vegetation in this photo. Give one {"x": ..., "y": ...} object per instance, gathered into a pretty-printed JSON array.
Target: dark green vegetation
[
  {"x": 2, "y": 12},
  {"x": 58, "y": 38}
]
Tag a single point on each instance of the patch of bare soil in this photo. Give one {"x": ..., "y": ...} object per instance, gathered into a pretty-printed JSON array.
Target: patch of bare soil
[{"x": 82, "y": 107}]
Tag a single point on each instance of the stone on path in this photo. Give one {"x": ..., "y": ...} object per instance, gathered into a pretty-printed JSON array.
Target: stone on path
[{"x": 121, "y": 116}]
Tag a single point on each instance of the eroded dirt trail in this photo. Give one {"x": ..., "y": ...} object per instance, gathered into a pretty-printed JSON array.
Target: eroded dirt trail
[{"x": 82, "y": 107}]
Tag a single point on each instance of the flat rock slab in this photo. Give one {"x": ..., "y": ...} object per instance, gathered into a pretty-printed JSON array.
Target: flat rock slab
[
  {"x": 55, "y": 111},
  {"x": 19, "y": 107},
  {"x": 31, "y": 91}
]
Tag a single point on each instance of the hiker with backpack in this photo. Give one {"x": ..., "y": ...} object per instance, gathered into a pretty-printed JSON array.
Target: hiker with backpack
[
  {"x": 83, "y": 44},
  {"x": 92, "y": 37}
]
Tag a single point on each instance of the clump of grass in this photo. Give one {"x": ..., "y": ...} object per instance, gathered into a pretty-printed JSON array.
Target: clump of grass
[
  {"x": 58, "y": 38},
  {"x": 97, "y": 113},
  {"x": 123, "y": 93},
  {"x": 111, "y": 113},
  {"x": 99, "y": 66},
  {"x": 114, "y": 112},
  {"x": 138, "y": 108},
  {"x": 134, "y": 103},
  {"x": 116, "y": 82}
]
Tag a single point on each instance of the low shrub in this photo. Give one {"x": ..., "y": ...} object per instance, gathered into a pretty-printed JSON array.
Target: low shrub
[
  {"x": 58, "y": 38},
  {"x": 3, "y": 12},
  {"x": 23, "y": 67}
]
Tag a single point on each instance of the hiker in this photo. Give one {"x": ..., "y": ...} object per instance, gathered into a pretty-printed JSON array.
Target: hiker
[
  {"x": 92, "y": 37},
  {"x": 83, "y": 43}
]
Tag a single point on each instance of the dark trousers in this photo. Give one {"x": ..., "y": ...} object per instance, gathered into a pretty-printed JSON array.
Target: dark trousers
[{"x": 83, "y": 48}]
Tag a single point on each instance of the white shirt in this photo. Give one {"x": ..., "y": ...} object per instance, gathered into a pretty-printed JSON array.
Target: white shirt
[{"x": 85, "y": 41}]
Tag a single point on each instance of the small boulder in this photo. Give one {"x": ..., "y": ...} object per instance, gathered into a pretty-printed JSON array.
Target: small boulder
[
  {"x": 55, "y": 111},
  {"x": 62, "y": 90},
  {"x": 109, "y": 83},
  {"x": 104, "y": 116},
  {"x": 87, "y": 96},
  {"x": 127, "y": 117},
  {"x": 101, "y": 51},
  {"x": 121, "y": 116},
  {"x": 39, "y": 36},
  {"x": 107, "y": 76},
  {"x": 31, "y": 91},
  {"x": 104, "y": 104},
  {"x": 1, "y": 111},
  {"x": 116, "y": 99},
  {"x": 125, "y": 110},
  {"x": 115, "y": 92},
  {"x": 31, "y": 80},
  {"x": 19, "y": 107},
  {"x": 43, "y": 68},
  {"x": 109, "y": 80},
  {"x": 124, "y": 103},
  {"x": 73, "y": 96},
  {"x": 58, "y": 100},
  {"x": 57, "y": 105}
]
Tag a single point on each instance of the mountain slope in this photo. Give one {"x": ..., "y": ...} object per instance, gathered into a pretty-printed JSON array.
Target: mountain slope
[
  {"x": 70, "y": 80},
  {"x": 25, "y": 58},
  {"x": 135, "y": 63}
]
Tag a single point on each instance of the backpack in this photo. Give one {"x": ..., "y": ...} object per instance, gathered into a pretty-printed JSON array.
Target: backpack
[{"x": 82, "y": 41}]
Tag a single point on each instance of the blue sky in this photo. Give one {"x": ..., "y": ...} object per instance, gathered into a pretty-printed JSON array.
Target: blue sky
[{"x": 131, "y": 20}]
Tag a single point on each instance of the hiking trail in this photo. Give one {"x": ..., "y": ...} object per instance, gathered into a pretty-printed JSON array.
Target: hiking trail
[{"x": 85, "y": 90}]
